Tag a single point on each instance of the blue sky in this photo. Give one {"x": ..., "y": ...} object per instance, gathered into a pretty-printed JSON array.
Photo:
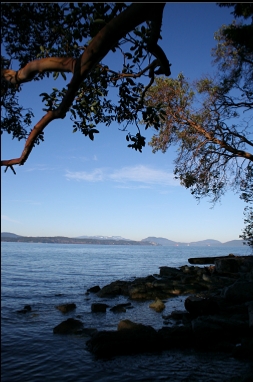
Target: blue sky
[{"x": 71, "y": 186}]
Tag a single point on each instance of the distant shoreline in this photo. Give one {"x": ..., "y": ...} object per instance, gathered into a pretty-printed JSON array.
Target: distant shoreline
[{"x": 67, "y": 240}]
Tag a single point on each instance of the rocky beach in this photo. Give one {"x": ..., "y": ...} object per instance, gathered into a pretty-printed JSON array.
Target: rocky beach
[{"x": 217, "y": 314}]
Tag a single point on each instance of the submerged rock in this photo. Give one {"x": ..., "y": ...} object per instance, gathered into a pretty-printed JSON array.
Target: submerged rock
[
  {"x": 65, "y": 308},
  {"x": 157, "y": 305},
  {"x": 27, "y": 308},
  {"x": 121, "y": 307}
]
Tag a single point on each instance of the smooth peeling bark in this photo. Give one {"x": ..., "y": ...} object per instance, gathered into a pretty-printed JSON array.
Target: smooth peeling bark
[{"x": 99, "y": 47}]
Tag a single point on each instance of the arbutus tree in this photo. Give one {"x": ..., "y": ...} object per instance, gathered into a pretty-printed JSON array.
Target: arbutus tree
[
  {"x": 46, "y": 39},
  {"x": 210, "y": 120}
]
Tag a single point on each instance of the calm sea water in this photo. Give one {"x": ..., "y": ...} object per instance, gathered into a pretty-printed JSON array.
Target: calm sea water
[{"x": 46, "y": 275}]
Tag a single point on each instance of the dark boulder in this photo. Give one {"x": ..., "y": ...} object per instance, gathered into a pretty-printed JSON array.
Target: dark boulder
[
  {"x": 197, "y": 306},
  {"x": 176, "y": 337},
  {"x": 99, "y": 307},
  {"x": 238, "y": 292},
  {"x": 94, "y": 289},
  {"x": 125, "y": 341},
  {"x": 70, "y": 326},
  {"x": 120, "y": 307},
  {"x": 65, "y": 308},
  {"x": 116, "y": 288},
  {"x": 27, "y": 308}
]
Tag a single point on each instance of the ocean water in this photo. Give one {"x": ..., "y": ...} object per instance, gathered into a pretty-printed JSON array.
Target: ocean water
[{"x": 46, "y": 275}]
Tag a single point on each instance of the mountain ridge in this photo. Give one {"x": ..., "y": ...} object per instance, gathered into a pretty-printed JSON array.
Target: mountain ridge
[{"x": 150, "y": 240}]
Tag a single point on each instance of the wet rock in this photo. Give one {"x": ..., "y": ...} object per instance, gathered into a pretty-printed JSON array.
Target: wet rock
[
  {"x": 234, "y": 264},
  {"x": 157, "y": 305},
  {"x": 99, "y": 307},
  {"x": 94, "y": 289},
  {"x": 250, "y": 311},
  {"x": 114, "y": 289},
  {"x": 197, "y": 306},
  {"x": 69, "y": 326},
  {"x": 120, "y": 307},
  {"x": 240, "y": 291},
  {"x": 126, "y": 340},
  {"x": 65, "y": 308},
  {"x": 169, "y": 272},
  {"x": 176, "y": 337},
  {"x": 27, "y": 308},
  {"x": 209, "y": 329},
  {"x": 208, "y": 260}
]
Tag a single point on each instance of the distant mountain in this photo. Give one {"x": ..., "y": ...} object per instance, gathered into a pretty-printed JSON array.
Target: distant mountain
[
  {"x": 207, "y": 242},
  {"x": 102, "y": 237},
  {"x": 234, "y": 243},
  {"x": 159, "y": 240},
  {"x": 9, "y": 234},
  {"x": 110, "y": 240},
  {"x": 201, "y": 243}
]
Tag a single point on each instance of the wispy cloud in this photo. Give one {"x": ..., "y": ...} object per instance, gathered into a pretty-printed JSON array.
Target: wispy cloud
[
  {"x": 6, "y": 218},
  {"x": 96, "y": 175},
  {"x": 127, "y": 176},
  {"x": 143, "y": 174},
  {"x": 41, "y": 167}
]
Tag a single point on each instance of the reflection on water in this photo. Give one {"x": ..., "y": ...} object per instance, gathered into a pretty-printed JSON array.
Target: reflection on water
[{"x": 45, "y": 275}]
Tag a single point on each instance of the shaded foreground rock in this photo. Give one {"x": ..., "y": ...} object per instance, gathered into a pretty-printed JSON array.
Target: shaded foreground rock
[
  {"x": 69, "y": 326},
  {"x": 99, "y": 307},
  {"x": 218, "y": 316},
  {"x": 130, "y": 338}
]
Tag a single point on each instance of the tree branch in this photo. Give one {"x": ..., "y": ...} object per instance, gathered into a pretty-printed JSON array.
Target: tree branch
[
  {"x": 101, "y": 44},
  {"x": 50, "y": 64}
]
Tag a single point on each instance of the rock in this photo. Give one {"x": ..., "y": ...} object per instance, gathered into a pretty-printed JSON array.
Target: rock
[
  {"x": 234, "y": 264},
  {"x": 169, "y": 272},
  {"x": 114, "y": 289},
  {"x": 250, "y": 311},
  {"x": 99, "y": 307},
  {"x": 157, "y": 305},
  {"x": 69, "y": 326},
  {"x": 137, "y": 338},
  {"x": 120, "y": 307},
  {"x": 27, "y": 308},
  {"x": 176, "y": 337},
  {"x": 209, "y": 329},
  {"x": 127, "y": 324},
  {"x": 94, "y": 289},
  {"x": 240, "y": 291},
  {"x": 65, "y": 308},
  {"x": 207, "y": 260},
  {"x": 179, "y": 314},
  {"x": 197, "y": 306}
]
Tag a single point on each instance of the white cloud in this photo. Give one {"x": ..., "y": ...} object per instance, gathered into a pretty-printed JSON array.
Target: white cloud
[
  {"x": 139, "y": 174},
  {"x": 96, "y": 175},
  {"x": 4, "y": 217},
  {"x": 144, "y": 174}
]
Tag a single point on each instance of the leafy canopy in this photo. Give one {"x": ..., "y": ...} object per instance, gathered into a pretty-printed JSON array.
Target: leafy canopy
[
  {"x": 52, "y": 39},
  {"x": 210, "y": 120}
]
